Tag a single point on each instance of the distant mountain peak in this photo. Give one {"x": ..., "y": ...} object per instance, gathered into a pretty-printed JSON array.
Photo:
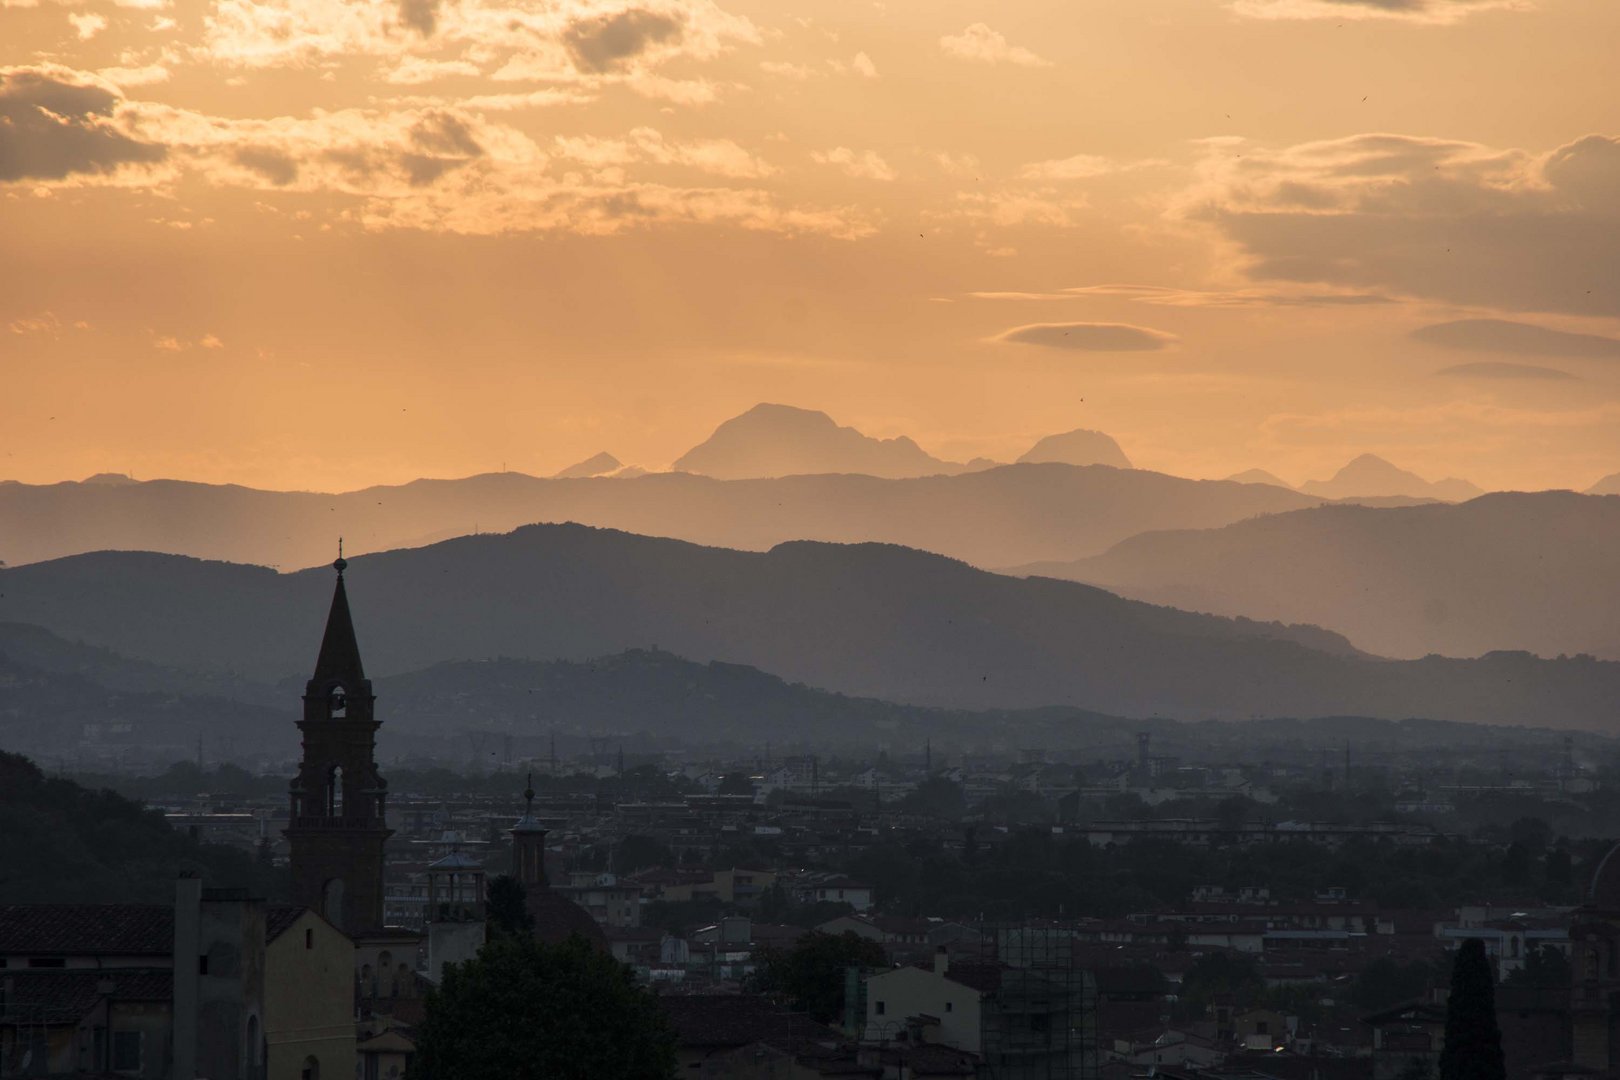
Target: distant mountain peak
[
  {"x": 595, "y": 465},
  {"x": 784, "y": 440},
  {"x": 111, "y": 479},
  {"x": 1368, "y": 475},
  {"x": 1078, "y": 447},
  {"x": 1259, "y": 476},
  {"x": 1609, "y": 485}
]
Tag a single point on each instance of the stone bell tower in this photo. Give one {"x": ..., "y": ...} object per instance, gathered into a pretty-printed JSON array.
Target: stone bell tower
[{"x": 337, "y": 828}]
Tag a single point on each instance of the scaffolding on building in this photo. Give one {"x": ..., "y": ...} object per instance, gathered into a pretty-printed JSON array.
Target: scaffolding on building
[{"x": 1039, "y": 1015}]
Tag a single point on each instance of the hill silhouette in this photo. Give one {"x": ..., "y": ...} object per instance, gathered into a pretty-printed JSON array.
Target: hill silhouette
[
  {"x": 998, "y": 517},
  {"x": 1078, "y": 447},
  {"x": 1259, "y": 476},
  {"x": 1609, "y": 485},
  {"x": 83, "y": 846},
  {"x": 1371, "y": 475},
  {"x": 783, "y": 440},
  {"x": 867, "y": 620},
  {"x": 1531, "y": 571},
  {"x": 595, "y": 465}
]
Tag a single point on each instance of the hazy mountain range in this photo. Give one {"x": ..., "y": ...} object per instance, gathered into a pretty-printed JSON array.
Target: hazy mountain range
[
  {"x": 1003, "y": 516},
  {"x": 868, "y": 620},
  {"x": 1370, "y": 474},
  {"x": 1530, "y": 571}
]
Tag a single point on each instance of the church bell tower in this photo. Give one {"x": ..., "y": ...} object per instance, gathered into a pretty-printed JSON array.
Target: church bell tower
[{"x": 337, "y": 830}]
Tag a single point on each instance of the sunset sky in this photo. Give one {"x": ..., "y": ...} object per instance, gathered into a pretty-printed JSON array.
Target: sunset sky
[{"x": 329, "y": 243}]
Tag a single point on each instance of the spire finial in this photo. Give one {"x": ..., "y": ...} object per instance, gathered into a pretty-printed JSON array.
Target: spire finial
[
  {"x": 342, "y": 564},
  {"x": 528, "y": 794}
]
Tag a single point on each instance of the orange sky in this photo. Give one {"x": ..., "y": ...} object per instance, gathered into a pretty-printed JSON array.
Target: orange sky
[{"x": 327, "y": 243}]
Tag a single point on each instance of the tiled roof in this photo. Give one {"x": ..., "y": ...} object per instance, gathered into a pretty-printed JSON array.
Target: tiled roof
[
  {"x": 63, "y": 997},
  {"x": 556, "y": 918},
  {"x": 81, "y": 929},
  {"x": 279, "y": 918},
  {"x": 981, "y": 977}
]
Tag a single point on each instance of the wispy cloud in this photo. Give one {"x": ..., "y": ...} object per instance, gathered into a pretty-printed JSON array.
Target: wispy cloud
[
  {"x": 1504, "y": 336},
  {"x": 982, "y": 45},
  {"x": 863, "y": 164},
  {"x": 1090, "y": 337},
  {"x": 1457, "y": 221},
  {"x": 1419, "y": 11},
  {"x": 1491, "y": 369}
]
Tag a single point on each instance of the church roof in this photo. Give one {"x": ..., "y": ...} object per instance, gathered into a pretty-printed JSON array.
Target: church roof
[
  {"x": 556, "y": 918},
  {"x": 340, "y": 653}
]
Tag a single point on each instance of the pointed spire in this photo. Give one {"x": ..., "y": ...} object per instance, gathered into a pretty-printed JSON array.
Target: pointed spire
[{"x": 340, "y": 653}]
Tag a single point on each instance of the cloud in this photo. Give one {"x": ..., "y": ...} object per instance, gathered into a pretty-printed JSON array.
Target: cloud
[
  {"x": 863, "y": 164},
  {"x": 420, "y": 15},
  {"x": 863, "y": 66},
  {"x": 1421, "y": 11},
  {"x": 1503, "y": 336},
  {"x": 87, "y": 25},
  {"x": 427, "y": 166},
  {"x": 1078, "y": 167},
  {"x": 980, "y": 44},
  {"x": 1492, "y": 369},
  {"x": 573, "y": 41},
  {"x": 171, "y": 343},
  {"x": 415, "y": 70},
  {"x": 1091, "y": 337},
  {"x": 720, "y": 157},
  {"x": 55, "y": 123},
  {"x": 1425, "y": 217},
  {"x": 1172, "y": 297},
  {"x": 46, "y": 323},
  {"x": 608, "y": 42}
]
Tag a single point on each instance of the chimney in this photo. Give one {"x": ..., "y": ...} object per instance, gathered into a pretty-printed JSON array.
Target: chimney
[
  {"x": 187, "y": 948},
  {"x": 942, "y": 961}
]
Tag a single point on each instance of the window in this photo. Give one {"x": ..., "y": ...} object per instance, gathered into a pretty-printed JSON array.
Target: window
[
  {"x": 949, "y": 1006},
  {"x": 126, "y": 1051},
  {"x": 202, "y": 964},
  {"x": 878, "y": 1008},
  {"x": 309, "y": 938},
  {"x": 46, "y": 962},
  {"x": 1039, "y": 1022}
]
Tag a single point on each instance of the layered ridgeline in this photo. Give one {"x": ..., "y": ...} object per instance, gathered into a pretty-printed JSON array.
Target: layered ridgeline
[
  {"x": 642, "y": 699},
  {"x": 1532, "y": 571},
  {"x": 999, "y": 517},
  {"x": 1371, "y": 476},
  {"x": 869, "y": 620}
]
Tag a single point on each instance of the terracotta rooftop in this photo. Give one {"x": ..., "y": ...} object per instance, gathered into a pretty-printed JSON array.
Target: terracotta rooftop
[
  {"x": 63, "y": 997},
  {"x": 80, "y": 929}
]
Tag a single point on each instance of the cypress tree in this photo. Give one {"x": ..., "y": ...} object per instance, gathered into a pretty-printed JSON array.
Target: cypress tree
[{"x": 1473, "y": 1049}]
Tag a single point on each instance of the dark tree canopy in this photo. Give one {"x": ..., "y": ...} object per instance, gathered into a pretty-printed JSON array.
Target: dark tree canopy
[
  {"x": 810, "y": 976},
  {"x": 508, "y": 913},
  {"x": 522, "y": 1010},
  {"x": 1544, "y": 966},
  {"x": 98, "y": 847},
  {"x": 1473, "y": 1049}
]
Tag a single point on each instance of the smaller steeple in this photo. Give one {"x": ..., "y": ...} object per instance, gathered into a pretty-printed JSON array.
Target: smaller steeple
[{"x": 529, "y": 844}]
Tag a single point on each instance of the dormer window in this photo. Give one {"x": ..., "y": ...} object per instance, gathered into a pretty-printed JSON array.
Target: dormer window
[{"x": 337, "y": 703}]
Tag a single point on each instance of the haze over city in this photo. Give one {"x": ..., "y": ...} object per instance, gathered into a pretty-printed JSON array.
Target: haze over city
[{"x": 636, "y": 539}]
